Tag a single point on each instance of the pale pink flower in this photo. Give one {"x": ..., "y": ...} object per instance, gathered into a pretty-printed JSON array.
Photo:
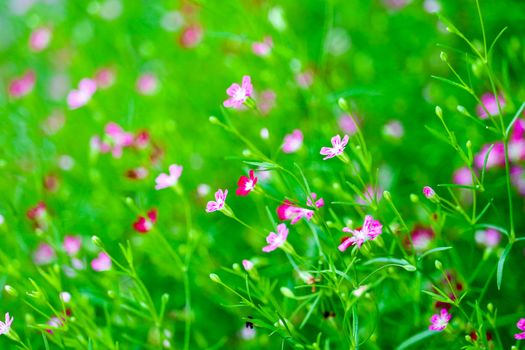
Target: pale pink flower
[
  {"x": 5, "y": 327},
  {"x": 147, "y": 84},
  {"x": 22, "y": 86},
  {"x": 219, "y": 203},
  {"x": 203, "y": 190},
  {"x": 516, "y": 150},
  {"x": 267, "y": 101},
  {"x": 275, "y": 240},
  {"x": 488, "y": 238},
  {"x": 101, "y": 263},
  {"x": 40, "y": 39},
  {"x": 432, "y": 6},
  {"x": 118, "y": 138},
  {"x": 463, "y": 176},
  {"x": 369, "y": 231},
  {"x": 44, "y": 254},
  {"x": 247, "y": 264},
  {"x": 421, "y": 238},
  {"x": 65, "y": 297},
  {"x": 288, "y": 211},
  {"x": 347, "y": 123},
  {"x": 395, "y": 4},
  {"x": 265, "y": 133},
  {"x": 440, "y": 321},
  {"x": 72, "y": 244},
  {"x": 52, "y": 124},
  {"x": 428, "y": 192},
  {"x": 169, "y": 180},
  {"x": 394, "y": 129},
  {"x": 191, "y": 36},
  {"x": 496, "y": 157},
  {"x": 338, "y": 147},
  {"x": 314, "y": 202},
  {"x": 491, "y": 105},
  {"x": 517, "y": 177},
  {"x": 239, "y": 93},
  {"x": 369, "y": 195},
  {"x": 293, "y": 142},
  {"x": 263, "y": 48},
  {"x": 521, "y": 327},
  {"x": 105, "y": 77},
  {"x": 247, "y": 332},
  {"x": 305, "y": 79},
  {"x": 79, "y": 97}
]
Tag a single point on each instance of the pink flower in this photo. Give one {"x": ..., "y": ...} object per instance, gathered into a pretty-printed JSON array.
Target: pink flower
[
  {"x": 517, "y": 177},
  {"x": 318, "y": 203},
  {"x": 440, "y": 321},
  {"x": 101, "y": 263},
  {"x": 118, "y": 138},
  {"x": 247, "y": 264},
  {"x": 521, "y": 327},
  {"x": 239, "y": 94},
  {"x": 145, "y": 223},
  {"x": 38, "y": 212},
  {"x": 141, "y": 139},
  {"x": 44, "y": 254},
  {"x": 489, "y": 238},
  {"x": 369, "y": 195},
  {"x": 6, "y": 326},
  {"x": 293, "y": 142},
  {"x": 138, "y": 173},
  {"x": 276, "y": 240},
  {"x": 79, "y": 97},
  {"x": 496, "y": 157},
  {"x": 394, "y": 129},
  {"x": 369, "y": 231},
  {"x": 267, "y": 101},
  {"x": 147, "y": 84},
  {"x": 203, "y": 190},
  {"x": 263, "y": 48},
  {"x": 22, "y": 86},
  {"x": 191, "y": 36},
  {"x": 338, "y": 147},
  {"x": 72, "y": 244},
  {"x": 40, "y": 39},
  {"x": 169, "y": 180},
  {"x": 288, "y": 211},
  {"x": 105, "y": 77},
  {"x": 463, "y": 176},
  {"x": 428, "y": 192},
  {"x": 421, "y": 238},
  {"x": 395, "y": 4},
  {"x": 491, "y": 105},
  {"x": 246, "y": 185},
  {"x": 220, "y": 201},
  {"x": 347, "y": 123},
  {"x": 305, "y": 79}
]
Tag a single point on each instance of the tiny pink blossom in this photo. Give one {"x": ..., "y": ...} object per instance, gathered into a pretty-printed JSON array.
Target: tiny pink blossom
[
  {"x": 22, "y": 86},
  {"x": 191, "y": 36},
  {"x": 105, "y": 77},
  {"x": 246, "y": 184},
  {"x": 44, "y": 254},
  {"x": 440, "y": 321},
  {"x": 101, "y": 263},
  {"x": 267, "y": 101},
  {"x": 147, "y": 84},
  {"x": 220, "y": 201},
  {"x": 239, "y": 94},
  {"x": 275, "y": 240},
  {"x": 40, "y": 39},
  {"x": 428, "y": 192},
  {"x": 318, "y": 203},
  {"x": 305, "y": 79},
  {"x": 65, "y": 297},
  {"x": 145, "y": 223},
  {"x": 169, "y": 180},
  {"x": 370, "y": 194},
  {"x": 118, "y": 138},
  {"x": 369, "y": 231},
  {"x": 338, "y": 147},
  {"x": 293, "y": 142},
  {"x": 394, "y": 129},
  {"x": 496, "y": 156},
  {"x": 263, "y": 48},
  {"x": 521, "y": 327},
  {"x": 488, "y": 238},
  {"x": 491, "y": 105},
  {"x": 247, "y": 264},
  {"x": 72, "y": 244},
  {"x": 79, "y": 97},
  {"x": 203, "y": 190},
  {"x": 288, "y": 211},
  {"x": 347, "y": 123},
  {"x": 517, "y": 177},
  {"x": 421, "y": 238},
  {"x": 463, "y": 176},
  {"x": 6, "y": 325}
]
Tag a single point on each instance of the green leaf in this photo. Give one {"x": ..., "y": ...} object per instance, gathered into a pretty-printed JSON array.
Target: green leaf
[
  {"x": 501, "y": 264},
  {"x": 431, "y": 251},
  {"x": 416, "y": 339},
  {"x": 485, "y": 163},
  {"x": 516, "y": 116}
]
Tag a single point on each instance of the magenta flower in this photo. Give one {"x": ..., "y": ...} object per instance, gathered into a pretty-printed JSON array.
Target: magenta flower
[
  {"x": 421, "y": 238},
  {"x": 491, "y": 105},
  {"x": 263, "y": 48},
  {"x": 79, "y": 97},
  {"x": 38, "y": 212},
  {"x": 338, "y": 147},
  {"x": 40, "y": 39},
  {"x": 428, "y": 192},
  {"x": 44, "y": 254},
  {"x": 239, "y": 94},
  {"x": 288, "y": 211},
  {"x": 314, "y": 202},
  {"x": 496, "y": 157},
  {"x": 191, "y": 36},
  {"x": 145, "y": 223},
  {"x": 488, "y": 238},
  {"x": 247, "y": 264},
  {"x": 521, "y": 327},
  {"x": 369, "y": 231},
  {"x": 72, "y": 244},
  {"x": 22, "y": 86},
  {"x": 169, "y": 180},
  {"x": 440, "y": 321},
  {"x": 275, "y": 240},
  {"x": 5, "y": 327},
  {"x": 246, "y": 185},
  {"x": 147, "y": 84},
  {"x": 293, "y": 142},
  {"x": 219, "y": 203},
  {"x": 463, "y": 176},
  {"x": 101, "y": 263}
]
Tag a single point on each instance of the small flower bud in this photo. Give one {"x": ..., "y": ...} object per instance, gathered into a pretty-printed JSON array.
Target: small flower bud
[
  {"x": 462, "y": 110},
  {"x": 97, "y": 242},
  {"x": 438, "y": 264},
  {"x": 236, "y": 267},
  {"x": 468, "y": 338},
  {"x": 428, "y": 192},
  {"x": 409, "y": 267},
  {"x": 443, "y": 56},
  {"x": 469, "y": 144},
  {"x": 213, "y": 120},
  {"x": 65, "y": 297},
  {"x": 343, "y": 104},
  {"x": 387, "y": 196},
  {"x": 287, "y": 292},
  {"x": 414, "y": 198},
  {"x": 215, "y": 278},
  {"x": 490, "y": 307},
  {"x": 439, "y": 112},
  {"x": 112, "y": 294},
  {"x": 10, "y": 290},
  {"x": 165, "y": 298}
]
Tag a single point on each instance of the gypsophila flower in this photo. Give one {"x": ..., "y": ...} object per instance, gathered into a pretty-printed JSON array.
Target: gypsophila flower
[
  {"x": 101, "y": 263},
  {"x": 239, "y": 94},
  {"x": 314, "y": 202},
  {"x": 439, "y": 321},
  {"x": 275, "y": 240},
  {"x": 72, "y": 244},
  {"x": 168, "y": 180},
  {"x": 488, "y": 238},
  {"x": 428, "y": 192},
  {"x": 369, "y": 231},
  {"x": 521, "y": 327},
  {"x": 5, "y": 327},
  {"x": 247, "y": 264},
  {"x": 145, "y": 223},
  {"x": 220, "y": 201},
  {"x": 338, "y": 147},
  {"x": 490, "y": 103},
  {"x": 246, "y": 184},
  {"x": 288, "y": 211},
  {"x": 293, "y": 142}
]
